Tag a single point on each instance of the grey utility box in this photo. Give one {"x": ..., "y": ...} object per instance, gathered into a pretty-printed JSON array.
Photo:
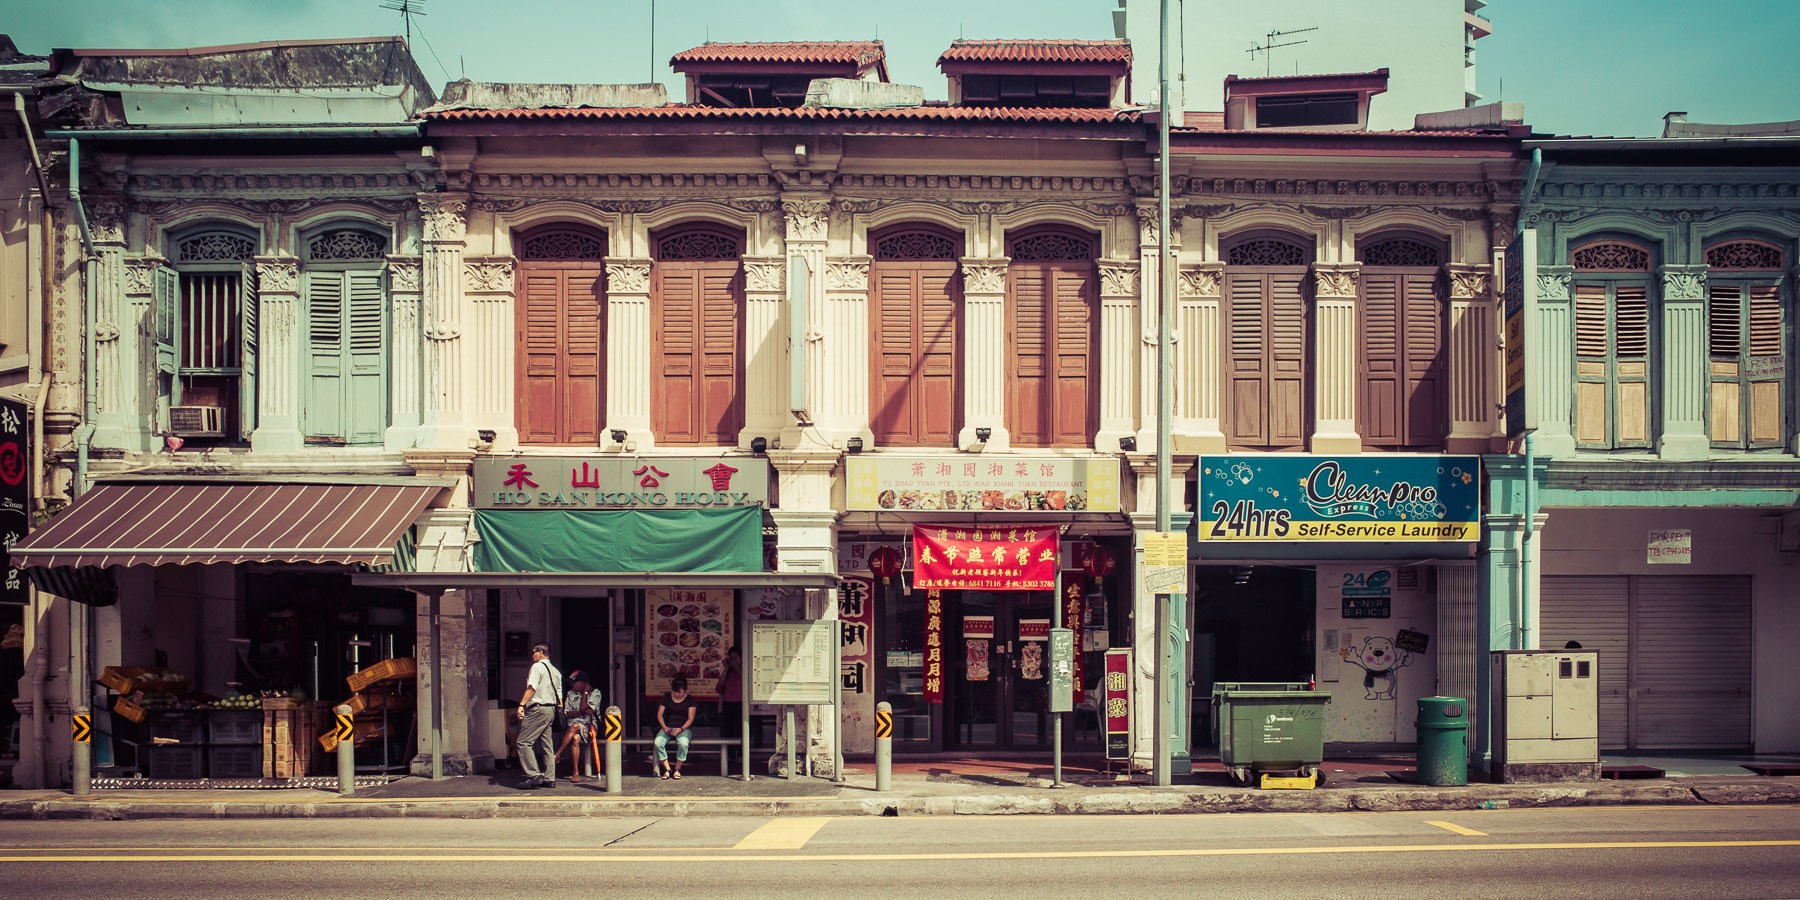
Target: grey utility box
[{"x": 1546, "y": 715}]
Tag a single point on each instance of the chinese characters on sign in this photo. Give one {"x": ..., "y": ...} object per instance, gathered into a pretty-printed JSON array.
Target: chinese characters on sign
[
  {"x": 856, "y": 617},
  {"x": 1030, "y": 485},
  {"x": 934, "y": 647},
  {"x": 1074, "y": 588},
  {"x": 1115, "y": 700},
  {"x": 15, "y": 495},
  {"x": 995, "y": 558},
  {"x": 565, "y": 482},
  {"x": 686, "y": 633}
]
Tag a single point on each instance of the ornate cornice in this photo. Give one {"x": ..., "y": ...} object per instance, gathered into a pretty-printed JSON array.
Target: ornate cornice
[
  {"x": 766, "y": 274},
  {"x": 277, "y": 274},
  {"x": 627, "y": 275},
  {"x": 444, "y": 216},
  {"x": 1341, "y": 187},
  {"x": 1200, "y": 281},
  {"x": 1469, "y": 282},
  {"x": 849, "y": 273},
  {"x": 1683, "y": 283},
  {"x": 488, "y": 274},
  {"x": 405, "y": 274},
  {"x": 140, "y": 274},
  {"x": 1335, "y": 281},
  {"x": 1635, "y": 188},
  {"x": 1118, "y": 279},
  {"x": 984, "y": 275},
  {"x": 314, "y": 184}
]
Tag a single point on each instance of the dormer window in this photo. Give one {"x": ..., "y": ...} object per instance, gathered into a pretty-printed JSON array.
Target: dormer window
[
  {"x": 1306, "y": 109},
  {"x": 1322, "y": 102},
  {"x": 1038, "y": 74},
  {"x": 773, "y": 74}
]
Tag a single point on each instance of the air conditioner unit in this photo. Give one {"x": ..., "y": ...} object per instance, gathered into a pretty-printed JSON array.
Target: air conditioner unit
[{"x": 197, "y": 421}]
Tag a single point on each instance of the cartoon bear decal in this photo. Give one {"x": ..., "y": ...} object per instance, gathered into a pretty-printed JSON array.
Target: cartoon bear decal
[{"x": 1379, "y": 659}]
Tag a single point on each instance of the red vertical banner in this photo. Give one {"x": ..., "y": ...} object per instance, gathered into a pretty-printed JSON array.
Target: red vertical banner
[
  {"x": 1073, "y": 591},
  {"x": 934, "y": 647},
  {"x": 1115, "y": 709},
  {"x": 995, "y": 558}
]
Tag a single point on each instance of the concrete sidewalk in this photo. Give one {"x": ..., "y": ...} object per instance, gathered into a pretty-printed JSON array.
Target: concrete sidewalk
[{"x": 921, "y": 788}]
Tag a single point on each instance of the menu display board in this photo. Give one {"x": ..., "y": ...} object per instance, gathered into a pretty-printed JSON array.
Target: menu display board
[{"x": 686, "y": 633}]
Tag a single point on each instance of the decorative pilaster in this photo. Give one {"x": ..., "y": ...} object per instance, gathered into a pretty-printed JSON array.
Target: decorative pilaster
[
  {"x": 115, "y": 420},
  {"x": 845, "y": 398},
  {"x": 765, "y": 348},
  {"x": 628, "y": 330},
  {"x": 1470, "y": 356},
  {"x": 279, "y": 370},
  {"x": 406, "y": 339},
  {"x": 490, "y": 373},
  {"x": 137, "y": 347},
  {"x": 806, "y": 541},
  {"x": 807, "y": 219},
  {"x": 1197, "y": 359},
  {"x": 984, "y": 353},
  {"x": 445, "y": 416},
  {"x": 1554, "y": 358},
  {"x": 1334, "y": 358},
  {"x": 1149, "y": 320},
  {"x": 1124, "y": 339},
  {"x": 1685, "y": 364}
]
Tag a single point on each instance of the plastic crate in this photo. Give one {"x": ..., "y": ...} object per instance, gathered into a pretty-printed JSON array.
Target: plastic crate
[
  {"x": 181, "y": 727},
  {"x": 235, "y": 726},
  {"x": 234, "y": 761},
  {"x": 177, "y": 762}
]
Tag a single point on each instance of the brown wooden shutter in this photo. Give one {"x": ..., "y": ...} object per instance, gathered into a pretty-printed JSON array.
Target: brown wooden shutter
[
  {"x": 1591, "y": 365},
  {"x": 1380, "y": 401},
  {"x": 1425, "y": 403},
  {"x": 675, "y": 402},
  {"x": 559, "y": 355},
  {"x": 721, "y": 401},
  {"x": 1030, "y": 349},
  {"x": 915, "y": 395},
  {"x": 940, "y": 342},
  {"x": 1246, "y": 361},
  {"x": 1287, "y": 354},
  {"x": 1075, "y": 339}
]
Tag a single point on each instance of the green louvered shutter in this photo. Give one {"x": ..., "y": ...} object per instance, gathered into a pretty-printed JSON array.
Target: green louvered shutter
[
  {"x": 248, "y": 309},
  {"x": 366, "y": 360},
  {"x": 324, "y": 411},
  {"x": 167, "y": 295}
]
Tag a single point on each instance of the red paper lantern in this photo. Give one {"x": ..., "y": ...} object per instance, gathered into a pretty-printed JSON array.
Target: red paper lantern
[
  {"x": 1098, "y": 562},
  {"x": 884, "y": 563}
]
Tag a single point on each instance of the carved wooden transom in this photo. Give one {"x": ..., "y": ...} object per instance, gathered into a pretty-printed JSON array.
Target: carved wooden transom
[
  {"x": 1266, "y": 252},
  {"x": 915, "y": 245},
  {"x": 562, "y": 245},
  {"x": 346, "y": 244},
  {"x": 1052, "y": 246},
  {"x": 1402, "y": 252},
  {"x": 1611, "y": 256},
  {"x": 215, "y": 246},
  {"x": 1744, "y": 255},
  {"x": 689, "y": 245}
]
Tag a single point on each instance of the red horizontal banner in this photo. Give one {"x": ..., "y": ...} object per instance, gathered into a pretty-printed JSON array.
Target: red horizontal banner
[{"x": 984, "y": 559}]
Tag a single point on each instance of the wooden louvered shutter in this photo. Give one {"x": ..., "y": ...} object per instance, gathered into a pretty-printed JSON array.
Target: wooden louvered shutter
[
  {"x": 1766, "y": 367},
  {"x": 324, "y": 411},
  {"x": 1030, "y": 349},
  {"x": 167, "y": 301},
  {"x": 1075, "y": 378},
  {"x": 915, "y": 346},
  {"x": 1631, "y": 346},
  {"x": 365, "y": 344},
  {"x": 249, "y": 310},
  {"x": 1425, "y": 403},
  {"x": 939, "y": 401},
  {"x": 1747, "y": 365},
  {"x": 721, "y": 410},
  {"x": 677, "y": 363},
  {"x": 1591, "y": 364},
  {"x": 1246, "y": 361},
  {"x": 1288, "y": 387},
  {"x": 1725, "y": 352},
  {"x": 559, "y": 354},
  {"x": 579, "y": 395},
  {"x": 1380, "y": 402},
  {"x": 892, "y": 421}
]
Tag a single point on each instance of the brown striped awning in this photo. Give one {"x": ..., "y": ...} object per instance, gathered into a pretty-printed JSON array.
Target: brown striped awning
[{"x": 187, "y": 523}]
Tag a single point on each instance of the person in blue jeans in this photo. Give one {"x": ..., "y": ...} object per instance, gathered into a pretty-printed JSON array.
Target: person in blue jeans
[{"x": 675, "y": 714}]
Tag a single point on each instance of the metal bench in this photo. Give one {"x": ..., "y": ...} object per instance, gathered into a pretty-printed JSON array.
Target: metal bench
[{"x": 721, "y": 745}]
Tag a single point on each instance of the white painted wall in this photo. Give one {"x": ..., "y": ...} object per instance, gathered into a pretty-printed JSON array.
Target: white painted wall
[
  {"x": 1419, "y": 41},
  {"x": 1726, "y": 542},
  {"x": 1382, "y": 712}
]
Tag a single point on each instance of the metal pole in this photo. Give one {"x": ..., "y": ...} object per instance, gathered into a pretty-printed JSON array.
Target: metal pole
[
  {"x": 744, "y": 632},
  {"x": 346, "y": 754},
  {"x": 788, "y": 712},
  {"x": 82, "y": 752},
  {"x": 884, "y": 746},
  {"x": 1056, "y": 718},
  {"x": 615, "y": 750},
  {"x": 1163, "y": 719},
  {"x": 437, "y": 694},
  {"x": 837, "y": 706}
]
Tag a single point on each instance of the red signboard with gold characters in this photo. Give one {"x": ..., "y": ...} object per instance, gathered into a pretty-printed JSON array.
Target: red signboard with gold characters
[
  {"x": 992, "y": 558},
  {"x": 934, "y": 647}
]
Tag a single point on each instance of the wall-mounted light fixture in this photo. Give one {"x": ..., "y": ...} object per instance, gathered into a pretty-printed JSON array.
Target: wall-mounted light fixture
[
  {"x": 854, "y": 445},
  {"x": 759, "y": 445},
  {"x": 618, "y": 435},
  {"x": 982, "y": 434},
  {"x": 1128, "y": 444}
]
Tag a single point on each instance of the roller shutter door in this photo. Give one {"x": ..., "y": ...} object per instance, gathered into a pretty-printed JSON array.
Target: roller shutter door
[{"x": 1595, "y": 611}]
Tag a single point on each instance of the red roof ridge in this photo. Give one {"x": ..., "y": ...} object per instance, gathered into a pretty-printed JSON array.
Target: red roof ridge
[
  {"x": 859, "y": 53},
  {"x": 1071, "y": 115},
  {"x": 1068, "y": 50}
]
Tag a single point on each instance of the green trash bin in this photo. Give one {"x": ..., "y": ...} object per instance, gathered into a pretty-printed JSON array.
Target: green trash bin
[
  {"x": 1443, "y": 752},
  {"x": 1270, "y": 728}
]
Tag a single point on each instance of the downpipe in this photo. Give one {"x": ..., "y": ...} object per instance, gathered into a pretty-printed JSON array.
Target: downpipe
[
  {"x": 80, "y": 754},
  {"x": 1526, "y": 614}
]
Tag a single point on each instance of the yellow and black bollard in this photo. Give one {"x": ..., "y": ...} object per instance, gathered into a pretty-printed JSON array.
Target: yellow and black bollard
[
  {"x": 884, "y": 746},
  {"x": 615, "y": 750},
  {"x": 346, "y": 751}
]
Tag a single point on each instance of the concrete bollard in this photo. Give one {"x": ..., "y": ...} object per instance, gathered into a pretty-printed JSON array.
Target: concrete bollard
[
  {"x": 346, "y": 751},
  {"x": 615, "y": 750},
  {"x": 884, "y": 746}
]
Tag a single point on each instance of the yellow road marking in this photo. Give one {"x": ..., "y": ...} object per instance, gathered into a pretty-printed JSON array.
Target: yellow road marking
[
  {"x": 686, "y": 857},
  {"x": 782, "y": 834},
  {"x": 1452, "y": 826}
]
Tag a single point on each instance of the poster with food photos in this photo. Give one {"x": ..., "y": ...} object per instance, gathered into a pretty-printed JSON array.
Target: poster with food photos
[{"x": 686, "y": 633}]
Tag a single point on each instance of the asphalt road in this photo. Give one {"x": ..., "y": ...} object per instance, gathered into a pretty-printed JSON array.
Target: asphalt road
[{"x": 1712, "y": 852}]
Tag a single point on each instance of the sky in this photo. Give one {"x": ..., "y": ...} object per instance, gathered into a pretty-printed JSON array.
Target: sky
[{"x": 1609, "y": 67}]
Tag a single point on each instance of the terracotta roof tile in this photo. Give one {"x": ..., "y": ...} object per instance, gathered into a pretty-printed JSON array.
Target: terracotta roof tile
[
  {"x": 857, "y": 53},
  {"x": 1059, "y": 51},
  {"x": 1077, "y": 116}
]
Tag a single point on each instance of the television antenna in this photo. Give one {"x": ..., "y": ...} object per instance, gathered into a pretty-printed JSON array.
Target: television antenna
[
  {"x": 407, "y": 9},
  {"x": 1267, "y": 47}
]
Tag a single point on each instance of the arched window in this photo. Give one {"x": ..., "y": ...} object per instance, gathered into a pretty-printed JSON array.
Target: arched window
[
  {"x": 1401, "y": 251},
  {"x": 1052, "y": 246},
  {"x": 697, "y": 321},
  {"x": 345, "y": 245},
  {"x": 1402, "y": 401},
  {"x": 1053, "y": 376},
  {"x": 1610, "y": 256},
  {"x": 1747, "y": 344},
  {"x": 1267, "y": 251},
  {"x": 915, "y": 341},
  {"x": 561, "y": 354},
  {"x": 206, "y": 333},
  {"x": 1612, "y": 345},
  {"x": 698, "y": 244},
  {"x": 1268, "y": 386}
]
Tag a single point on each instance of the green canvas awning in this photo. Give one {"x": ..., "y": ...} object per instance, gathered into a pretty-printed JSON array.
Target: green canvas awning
[{"x": 619, "y": 540}]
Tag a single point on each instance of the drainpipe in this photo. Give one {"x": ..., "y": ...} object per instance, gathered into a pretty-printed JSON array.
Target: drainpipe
[
  {"x": 81, "y": 753},
  {"x": 1526, "y": 613}
]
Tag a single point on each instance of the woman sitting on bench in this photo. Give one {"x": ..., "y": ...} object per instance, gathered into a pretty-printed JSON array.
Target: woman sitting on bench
[{"x": 675, "y": 714}]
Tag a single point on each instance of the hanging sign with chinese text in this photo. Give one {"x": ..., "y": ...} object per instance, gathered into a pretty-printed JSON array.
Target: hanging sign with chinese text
[
  {"x": 1074, "y": 591},
  {"x": 1016, "y": 484},
  {"x": 856, "y": 621},
  {"x": 996, "y": 558},
  {"x": 658, "y": 482},
  {"x": 15, "y": 495},
  {"x": 934, "y": 647},
  {"x": 1115, "y": 699}
]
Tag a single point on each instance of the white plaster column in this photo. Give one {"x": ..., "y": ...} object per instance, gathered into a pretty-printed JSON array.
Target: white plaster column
[
  {"x": 1685, "y": 363},
  {"x": 1468, "y": 352},
  {"x": 1335, "y": 352},
  {"x": 806, "y": 541},
  {"x": 1197, "y": 360},
  {"x": 114, "y": 419},
  {"x": 279, "y": 369},
  {"x": 807, "y": 219},
  {"x": 1142, "y": 473},
  {"x": 1553, "y": 357},
  {"x": 137, "y": 347},
  {"x": 628, "y": 348},
  {"x": 765, "y": 348},
  {"x": 406, "y": 362},
  {"x": 984, "y": 353},
  {"x": 462, "y": 632},
  {"x": 490, "y": 376},
  {"x": 445, "y": 421},
  {"x": 1122, "y": 345},
  {"x": 845, "y": 396},
  {"x": 1149, "y": 315}
]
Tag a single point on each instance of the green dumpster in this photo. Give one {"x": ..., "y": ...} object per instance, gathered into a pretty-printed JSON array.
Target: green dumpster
[
  {"x": 1443, "y": 753},
  {"x": 1270, "y": 729}
]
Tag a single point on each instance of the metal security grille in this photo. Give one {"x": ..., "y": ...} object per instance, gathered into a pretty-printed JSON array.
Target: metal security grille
[{"x": 211, "y": 319}]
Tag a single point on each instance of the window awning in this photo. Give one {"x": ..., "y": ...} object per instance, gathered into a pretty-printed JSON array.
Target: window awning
[
  {"x": 425, "y": 582},
  {"x": 162, "y": 523}
]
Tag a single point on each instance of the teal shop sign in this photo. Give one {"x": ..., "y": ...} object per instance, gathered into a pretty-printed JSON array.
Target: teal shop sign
[{"x": 1271, "y": 497}]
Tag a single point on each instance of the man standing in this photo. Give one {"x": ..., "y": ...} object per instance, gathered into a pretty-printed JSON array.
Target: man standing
[{"x": 537, "y": 712}]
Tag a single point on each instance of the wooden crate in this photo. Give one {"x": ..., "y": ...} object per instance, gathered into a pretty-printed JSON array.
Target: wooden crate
[
  {"x": 386, "y": 670},
  {"x": 128, "y": 708},
  {"x": 288, "y": 736},
  {"x": 124, "y": 680}
]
